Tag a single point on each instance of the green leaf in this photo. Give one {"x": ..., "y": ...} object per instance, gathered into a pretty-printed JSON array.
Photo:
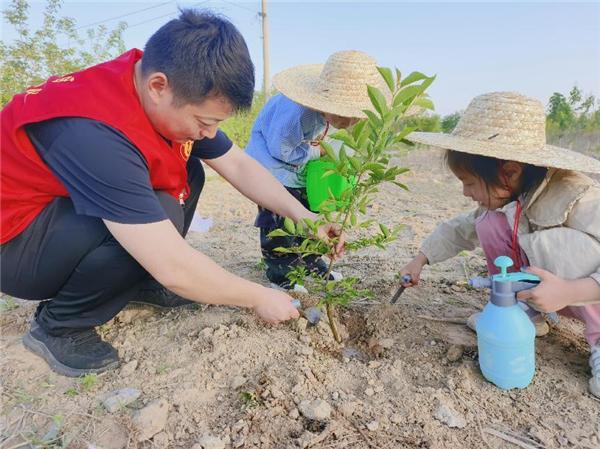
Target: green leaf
[
  {"x": 277, "y": 233},
  {"x": 384, "y": 229},
  {"x": 353, "y": 219},
  {"x": 343, "y": 156},
  {"x": 289, "y": 225},
  {"x": 329, "y": 150},
  {"x": 414, "y": 76},
  {"x": 398, "y": 77},
  {"x": 373, "y": 118},
  {"x": 387, "y": 76},
  {"x": 358, "y": 128},
  {"x": 345, "y": 137},
  {"x": 405, "y": 94},
  {"x": 356, "y": 164},
  {"x": 425, "y": 103},
  {"x": 377, "y": 99},
  {"x": 402, "y": 186}
]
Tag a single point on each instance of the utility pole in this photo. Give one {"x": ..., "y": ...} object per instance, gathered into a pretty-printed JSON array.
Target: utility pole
[{"x": 265, "y": 32}]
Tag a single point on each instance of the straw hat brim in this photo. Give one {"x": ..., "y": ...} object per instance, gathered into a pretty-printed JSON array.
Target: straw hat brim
[
  {"x": 301, "y": 84},
  {"x": 547, "y": 156}
]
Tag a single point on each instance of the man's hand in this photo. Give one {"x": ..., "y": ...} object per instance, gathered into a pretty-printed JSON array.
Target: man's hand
[
  {"x": 551, "y": 294},
  {"x": 275, "y": 306},
  {"x": 330, "y": 231}
]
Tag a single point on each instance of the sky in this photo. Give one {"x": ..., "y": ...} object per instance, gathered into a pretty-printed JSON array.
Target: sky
[{"x": 536, "y": 48}]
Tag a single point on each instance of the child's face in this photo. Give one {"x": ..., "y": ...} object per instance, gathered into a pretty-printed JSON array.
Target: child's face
[
  {"x": 489, "y": 197},
  {"x": 339, "y": 122}
]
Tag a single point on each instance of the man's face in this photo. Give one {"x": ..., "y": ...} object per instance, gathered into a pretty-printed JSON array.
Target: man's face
[{"x": 181, "y": 123}]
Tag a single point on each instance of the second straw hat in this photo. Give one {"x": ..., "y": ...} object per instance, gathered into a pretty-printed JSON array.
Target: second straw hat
[
  {"x": 507, "y": 126},
  {"x": 337, "y": 87}
]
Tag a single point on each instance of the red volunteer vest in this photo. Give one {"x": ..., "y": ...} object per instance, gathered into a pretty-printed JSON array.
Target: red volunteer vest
[{"x": 104, "y": 92}]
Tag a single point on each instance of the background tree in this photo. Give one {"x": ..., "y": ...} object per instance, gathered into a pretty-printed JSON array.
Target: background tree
[
  {"x": 56, "y": 48},
  {"x": 449, "y": 122}
]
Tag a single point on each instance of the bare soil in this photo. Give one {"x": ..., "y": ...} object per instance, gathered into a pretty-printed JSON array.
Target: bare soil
[{"x": 227, "y": 375}]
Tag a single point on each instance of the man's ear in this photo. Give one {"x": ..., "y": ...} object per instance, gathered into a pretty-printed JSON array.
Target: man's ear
[{"x": 157, "y": 85}]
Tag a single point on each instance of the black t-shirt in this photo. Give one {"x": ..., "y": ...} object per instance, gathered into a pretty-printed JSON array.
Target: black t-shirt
[{"x": 104, "y": 173}]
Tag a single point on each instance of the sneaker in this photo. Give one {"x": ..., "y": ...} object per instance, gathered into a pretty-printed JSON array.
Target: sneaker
[
  {"x": 286, "y": 286},
  {"x": 321, "y": 267},
  {"x": 541, "y": 327},
  {"x": 161, "y": 298},
  {"x": 72, "y": 355},
  {"x": 595, "y": 365}
]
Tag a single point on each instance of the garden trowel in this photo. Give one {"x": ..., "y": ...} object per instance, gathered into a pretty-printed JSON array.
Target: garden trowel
[
  {"x": 312, "y": 314},
  {"x": 405, "y": 279}
]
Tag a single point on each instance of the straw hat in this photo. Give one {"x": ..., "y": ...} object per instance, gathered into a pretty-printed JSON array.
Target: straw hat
[
  {"x": 337, "y": 87},
  {"x": 508, "y": 126}
]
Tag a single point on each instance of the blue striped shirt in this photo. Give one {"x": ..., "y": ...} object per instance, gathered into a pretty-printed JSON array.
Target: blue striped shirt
[{"x": 280, "y": 139}]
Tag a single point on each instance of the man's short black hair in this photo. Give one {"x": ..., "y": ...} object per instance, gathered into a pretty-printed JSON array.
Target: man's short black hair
[{"x": 202, "y": 55}]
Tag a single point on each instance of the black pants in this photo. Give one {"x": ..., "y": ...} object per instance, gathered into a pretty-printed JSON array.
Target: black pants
[
  {"x": 278, "y": 265},
  {"x": 75, "y": 262}
]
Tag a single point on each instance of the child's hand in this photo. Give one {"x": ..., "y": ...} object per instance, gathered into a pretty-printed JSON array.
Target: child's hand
[
  {"x": 413, "y": 269},
  {"x": 552, "y": 293}
]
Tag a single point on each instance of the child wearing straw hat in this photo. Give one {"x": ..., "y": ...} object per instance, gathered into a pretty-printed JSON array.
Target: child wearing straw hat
[
  {"x": 534, "y": 205},
  {"x": 287, "y": 135}
]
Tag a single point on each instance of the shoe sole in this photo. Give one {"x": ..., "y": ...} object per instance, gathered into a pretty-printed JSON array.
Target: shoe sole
[{"x": 40, "y": 349}]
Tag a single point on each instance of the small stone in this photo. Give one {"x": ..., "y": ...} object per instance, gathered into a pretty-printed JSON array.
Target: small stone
[
  {"x": 220, "y": 331},
  {"x": 207, "y": 332},
  {"x": 369, "y": 392},
  {"x": 301, "y": 325},
  {"x": 151, "y": 419},
  {"x": 454, "y": 353},
  {"x": 239, "y": 426},
  {"x": 379, "y": 389},
  {"x": 161, "y": 439},
  {"x": 294, "y": 413},
  {"x": 115, "y": 400},
  {"x": 275, "y": 393},
  {"x": 129, "y": 368},
  {"x": 211, "y": 442},
  {"x": 373, "y": 426},
  {"x": 396, "y": 418},
  {"x": 239, "y": 441},
  {"x": 318, "y": 410},
  {"x": 304, "y": 339},
  {"x": 335, "y": 395},
  {"x": 447, "y": 415},
  {"x": 432, "y": 343},
  {"x": 386, "y": 343},
  {"x": 373, "y": 364},
  {"x": 347, "y": 409},
  {"x": 238, "y": 381},
  {"x": 305, "y": 350}
]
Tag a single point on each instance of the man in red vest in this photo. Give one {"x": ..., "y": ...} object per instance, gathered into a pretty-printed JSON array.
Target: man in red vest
[{"x": 100, "y": 177}]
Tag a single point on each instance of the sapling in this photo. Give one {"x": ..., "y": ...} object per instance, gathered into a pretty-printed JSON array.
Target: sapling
[{"x": 364, "y": 157}]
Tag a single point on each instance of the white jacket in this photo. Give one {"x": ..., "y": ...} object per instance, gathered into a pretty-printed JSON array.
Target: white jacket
[{"x": 559, "y": 230}]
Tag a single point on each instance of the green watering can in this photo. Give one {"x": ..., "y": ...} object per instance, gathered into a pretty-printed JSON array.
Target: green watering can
[{"x": 317, "y": 187}]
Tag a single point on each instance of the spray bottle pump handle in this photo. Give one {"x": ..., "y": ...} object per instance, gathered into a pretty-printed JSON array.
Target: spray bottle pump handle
[{"x": 504, "y": 263}]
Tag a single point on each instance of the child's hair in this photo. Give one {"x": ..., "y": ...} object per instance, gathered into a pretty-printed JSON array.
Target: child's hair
[
  {"x": 202, "y": 55},
  {"x": 488, "y": 169}
]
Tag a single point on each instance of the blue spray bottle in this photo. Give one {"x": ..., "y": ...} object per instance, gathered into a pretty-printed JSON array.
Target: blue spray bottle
[{"x": 505, "y": 334}]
